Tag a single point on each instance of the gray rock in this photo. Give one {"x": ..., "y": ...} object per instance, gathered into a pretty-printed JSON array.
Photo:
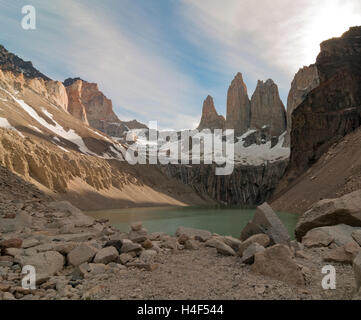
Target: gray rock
[
  {"x": 277, "y": 262},
  {"x": 138, "y": 236},
  {"x": 46, "y": 264},
  {"x": 232, "y": 242},
  {"x": 221, "y": 247},
  {"x": 82, "y": 253},
  {"x": 130, "y": 246},
  {"x": 266, "y": 219},
  {"x": 261, "y": 239},
  {"x": 106, "y": 255},
  {"x": 191, "y": 233},
  {"x": 248, "y": 254},
  {"x": 340, "y": 235},
  {"x": 330, "y": 212},
  {"x": 117, "y": 244},
  {"x": 76, "y": 216}
]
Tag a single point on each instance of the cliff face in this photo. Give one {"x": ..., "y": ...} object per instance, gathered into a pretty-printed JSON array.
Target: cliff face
[
  {"x": 210, "y": 118},
  {"x": 247, "y": 185},
  {"x": 88, "y": 104},
  {"x": 238, "y": 106},
  {"x": 331, "y": 110},
  {"x": 305, "y": 80},
  {"x": 267, "y": 108}
]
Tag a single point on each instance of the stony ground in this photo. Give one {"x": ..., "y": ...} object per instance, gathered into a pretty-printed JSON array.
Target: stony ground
[{"x": 79, "y": 258}]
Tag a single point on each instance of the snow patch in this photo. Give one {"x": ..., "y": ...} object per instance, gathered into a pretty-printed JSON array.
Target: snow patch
[{"x": 4, "y": 123}]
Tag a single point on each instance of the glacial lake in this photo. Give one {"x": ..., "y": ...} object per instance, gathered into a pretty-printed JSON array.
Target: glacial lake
[{"x": 224, "y": 221}]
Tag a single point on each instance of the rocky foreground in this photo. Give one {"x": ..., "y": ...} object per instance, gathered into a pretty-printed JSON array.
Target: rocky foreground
[{"x": 77, "y": 257}]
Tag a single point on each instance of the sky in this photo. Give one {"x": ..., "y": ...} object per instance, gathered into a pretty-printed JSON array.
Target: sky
[{"x": 159, "y": 59}]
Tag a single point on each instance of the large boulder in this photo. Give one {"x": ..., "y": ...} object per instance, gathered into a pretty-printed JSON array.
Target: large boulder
[
  {"x": 267, "y": 221},
  {"x": 277, "y": 262},
  {"x": 329, "y": 212},
  {"x": 46, "y": 264},
  {"x": 76, "y": 216},
  {"x": 191, "y": 233},
  {"x": 345, "y": 254},
  {"x": 82, "y": 253},
  {"x": 106, "y": 255},
  {"x": 339, "y": 235}
]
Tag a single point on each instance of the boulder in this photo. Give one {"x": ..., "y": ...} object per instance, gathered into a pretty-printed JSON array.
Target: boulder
[
  {"x": 21, "y": 221},
  {"x": 261, "y": 239},
  {"x": 345, "y": 254},
  {"x": 232, "y": 242},
  {"x": 330, "y": 212},
  {"x": 357, "y": 271},
  {"x": 221, "y": 247},
  {"x": 248, "y": 254},
  {"x": 266, "y": 219},
  {"x": 106, "y": 255},
  {"x": 130, "y": 246},
  {"x": 46, "y": 264},
  {"x": 277, "y": 262},
  {"x": 339, "y": 235},
  {"x": 138, "y": 236},
  {"x": 82, "y": 253},
  {"x": 76, "y": 216},
  {"x": 191, "y": 233},
  {"x": 117, "y": 244}
]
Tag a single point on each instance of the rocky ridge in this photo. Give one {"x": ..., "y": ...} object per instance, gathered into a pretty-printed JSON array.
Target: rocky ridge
[{"x": 331, "y": 110}]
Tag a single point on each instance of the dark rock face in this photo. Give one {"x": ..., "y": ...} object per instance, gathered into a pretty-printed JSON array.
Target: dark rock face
[
  {"x": 267, "y": 108},
  {"x": 210, "y": 118},
  {"x": 238, "y": 106},
  {"x": 11, "y": 62},
  {"x": 305, "y": 80},
  {"x": 331, "y": 110},
  {"x": 247, "y": 185}
]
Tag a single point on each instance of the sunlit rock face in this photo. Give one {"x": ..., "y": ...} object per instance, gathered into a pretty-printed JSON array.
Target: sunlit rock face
[
  {"x": 333, "y": 109},
  {"x": 87, "y": 103},
  {"x": 238, "y": 106},
  {"x": 305, "y": 80},
  {"x": 267, "y": 109},
  {"x": 210, "y": 118}
]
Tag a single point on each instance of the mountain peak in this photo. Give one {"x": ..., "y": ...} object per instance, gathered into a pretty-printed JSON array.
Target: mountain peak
[{"x": 11, "y": 62}]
